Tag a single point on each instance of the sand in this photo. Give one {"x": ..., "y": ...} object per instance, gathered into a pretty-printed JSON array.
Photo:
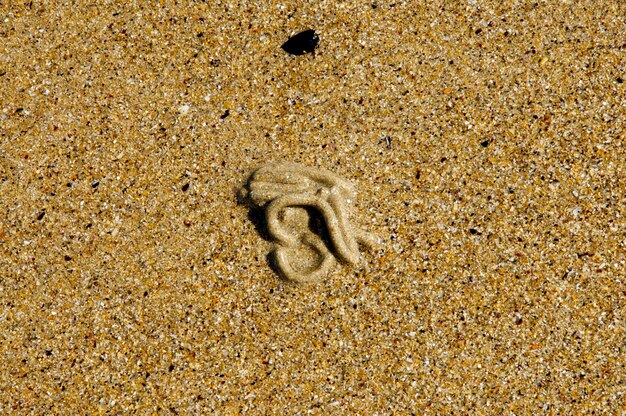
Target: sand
[
  {"x": 486, "y": 140},
  {"x": 305, "y": 213}
]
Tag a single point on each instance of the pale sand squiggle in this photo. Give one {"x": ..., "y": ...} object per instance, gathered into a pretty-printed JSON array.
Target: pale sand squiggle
[{"x": 280, "y": 186}]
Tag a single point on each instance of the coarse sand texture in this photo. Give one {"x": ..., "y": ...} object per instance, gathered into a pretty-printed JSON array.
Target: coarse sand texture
[{"x": 324, "y": 207}]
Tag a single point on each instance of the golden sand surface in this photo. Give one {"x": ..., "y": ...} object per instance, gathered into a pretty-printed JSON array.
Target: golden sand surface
[{"x": 487, "y": 143}]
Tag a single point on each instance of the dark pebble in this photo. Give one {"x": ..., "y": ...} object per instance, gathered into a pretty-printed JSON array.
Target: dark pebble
[
  {"x": 41, "y": 215},
  {"x": 301, "y": 43},
  {"x": 185, "y": 187},
  {"x": 226, "y": 114},
  {"x": 484, "y": 143}
]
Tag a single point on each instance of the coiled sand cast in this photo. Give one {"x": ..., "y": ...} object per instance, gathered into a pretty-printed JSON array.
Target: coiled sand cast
[{"x": 294, "y": 198}]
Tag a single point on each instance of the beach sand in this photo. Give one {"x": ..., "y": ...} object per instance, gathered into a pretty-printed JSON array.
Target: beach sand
[{"x": 487, "y": 144}]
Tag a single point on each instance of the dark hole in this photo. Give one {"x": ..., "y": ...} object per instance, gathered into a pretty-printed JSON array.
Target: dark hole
[
  {"x": 185, "y": 187},
  {"x": 473, "y": 231},
  {"x": 484, "y": 143},
  {"x": 301, "y": 43},
  {"x": 226, "y": 114},
  {"x": 67, "y": 258},
  {"x": 41, "y": 215},
  {"x": 171, "y": 368}
]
